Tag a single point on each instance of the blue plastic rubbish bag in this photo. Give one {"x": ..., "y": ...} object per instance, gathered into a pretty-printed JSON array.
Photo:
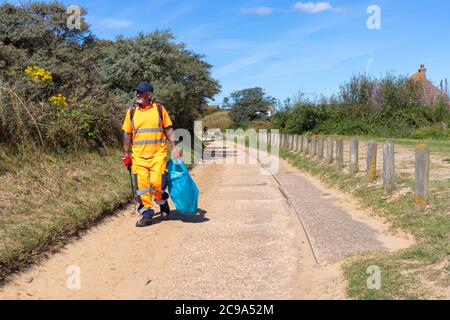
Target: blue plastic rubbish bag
[{"x": 182, "y": 188}]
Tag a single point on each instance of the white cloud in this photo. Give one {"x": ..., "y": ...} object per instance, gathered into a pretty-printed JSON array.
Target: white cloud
[
  {"x": 111, "y": 23},
  {"x": 262, "y": 11},
  {"x": 313, "y": 7},
  {"x": 242, "y": 63},
  {"x": 258, "y": 53}
]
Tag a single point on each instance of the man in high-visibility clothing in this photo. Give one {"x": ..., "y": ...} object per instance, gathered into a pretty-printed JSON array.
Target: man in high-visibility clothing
[{"x": 147, "y": 125}]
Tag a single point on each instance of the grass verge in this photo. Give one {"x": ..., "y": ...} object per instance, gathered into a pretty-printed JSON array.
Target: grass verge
[
  {"x": 436, "y": 145},
  {"x": 422, "y": 271},
  {"x": 47, "y": 198}
]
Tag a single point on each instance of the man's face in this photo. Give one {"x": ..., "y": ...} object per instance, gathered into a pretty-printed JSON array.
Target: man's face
[{"x": 143, "y": 98}]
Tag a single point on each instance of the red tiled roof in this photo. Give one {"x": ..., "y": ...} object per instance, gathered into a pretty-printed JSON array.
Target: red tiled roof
[{"x": 431, "y": 94}]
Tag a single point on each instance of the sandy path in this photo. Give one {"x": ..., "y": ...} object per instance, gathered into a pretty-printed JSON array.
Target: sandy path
[{"x": 247, "y": 244}]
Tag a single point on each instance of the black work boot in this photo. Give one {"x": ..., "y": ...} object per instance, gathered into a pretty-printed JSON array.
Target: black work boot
[
  {"x": 146, "y": 220},
  {"x": 165, "y": 209}
]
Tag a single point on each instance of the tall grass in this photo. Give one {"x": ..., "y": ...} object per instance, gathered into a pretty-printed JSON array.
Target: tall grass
[
  {"x": 386, "y": 107},
  {"x": 48, "y": 197},
  {"x": 30, "y": 124}
]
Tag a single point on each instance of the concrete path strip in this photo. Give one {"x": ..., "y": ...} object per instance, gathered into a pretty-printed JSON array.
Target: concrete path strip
[{"x": 335, "y": 231}]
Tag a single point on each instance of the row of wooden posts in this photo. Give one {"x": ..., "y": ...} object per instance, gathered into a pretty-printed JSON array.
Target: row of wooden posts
[{"x": 314, "y": 147}]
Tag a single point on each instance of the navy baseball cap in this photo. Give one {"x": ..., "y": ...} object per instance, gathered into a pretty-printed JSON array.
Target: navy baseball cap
[{"x": 144, "y": 87}]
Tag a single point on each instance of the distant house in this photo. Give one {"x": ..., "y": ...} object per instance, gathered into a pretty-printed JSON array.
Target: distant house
[
  {"x": 271, "y": 111},
  {"x": 267, "y": 112},
  {"x": 431, "y": 94}
]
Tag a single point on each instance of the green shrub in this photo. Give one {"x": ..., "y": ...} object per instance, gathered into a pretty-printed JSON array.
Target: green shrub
[
  {"x": 305, "y": 118},
  {"x": 387, "y": 107},
  {"x": 278, "y": 120},
  {"x": 432, "y": 132}
]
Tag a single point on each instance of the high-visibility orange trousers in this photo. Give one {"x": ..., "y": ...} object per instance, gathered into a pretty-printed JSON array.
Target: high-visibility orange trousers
[{"x": 150, "y": 180}]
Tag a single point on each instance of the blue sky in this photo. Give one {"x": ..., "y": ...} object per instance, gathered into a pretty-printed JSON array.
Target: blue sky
[{"x": 288, "y": 47}]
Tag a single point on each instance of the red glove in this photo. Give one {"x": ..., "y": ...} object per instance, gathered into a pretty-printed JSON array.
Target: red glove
[
  {"x": 127, "y": 161},
  {"x": 177, "y": 154}
]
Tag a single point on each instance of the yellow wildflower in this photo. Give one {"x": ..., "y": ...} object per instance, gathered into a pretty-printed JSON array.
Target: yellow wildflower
[
  {"x": 39, "y": 74},
  {"x": 58, "y": 101}
]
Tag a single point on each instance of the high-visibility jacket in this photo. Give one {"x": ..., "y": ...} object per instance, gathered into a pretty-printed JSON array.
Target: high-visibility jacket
[{"x": 147, "y": 131}]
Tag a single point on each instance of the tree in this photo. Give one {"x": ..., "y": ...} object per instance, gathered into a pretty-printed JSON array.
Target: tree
[
  {"x": 226, "y": 103},
  {"x": 52, "y": 74},
  {"x": 36, "y": 34},
  {"x": 248, "y": 105},
  {"x": 182, "y": 79},
  {"x": 50, "y": 68}
]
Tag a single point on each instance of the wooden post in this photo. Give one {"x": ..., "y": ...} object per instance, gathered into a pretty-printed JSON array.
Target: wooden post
[
  {"x": 282, "y": 140},
  {"x": 388, "y": 168},
  {"x": 291, "y": 142},
  {"x": 297, "y": 143},
  {"x": 312, "y": 149},
  {"x": 262, "y": 139},
  {"x": 269, "y": 140},
  {"x": 372, "y": 161},
  {"x": 320, "y": 148},
  {"x": 304, "y": 144},
  {"x": 301, "y": 143},
  {"x": 306, "y": 147},
  {"x": 330, "y": 151},
  {"x": 422, "y": 174},
  {"x": 339, "y": 154},
  {"x": 354, "y": 153}
]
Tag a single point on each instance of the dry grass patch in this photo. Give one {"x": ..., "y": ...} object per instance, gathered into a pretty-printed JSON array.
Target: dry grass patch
[{"x": 46, "y": 198}]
